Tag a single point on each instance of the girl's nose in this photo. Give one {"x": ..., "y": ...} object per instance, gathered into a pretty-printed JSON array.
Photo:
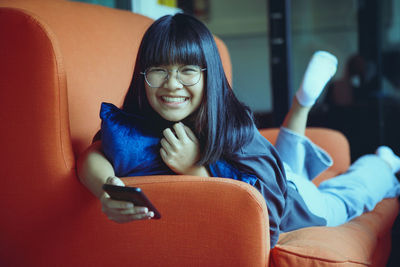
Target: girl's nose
[{"x": 172, "y": 81}]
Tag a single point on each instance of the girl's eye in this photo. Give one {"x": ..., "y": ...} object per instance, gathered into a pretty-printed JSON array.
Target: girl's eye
[
  {"x": 157, "y": 70},
  {"x": 189, "y": 70}
]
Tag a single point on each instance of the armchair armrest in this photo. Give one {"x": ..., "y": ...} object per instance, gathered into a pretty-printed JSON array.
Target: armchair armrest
[{"x": 211, "y": 221}]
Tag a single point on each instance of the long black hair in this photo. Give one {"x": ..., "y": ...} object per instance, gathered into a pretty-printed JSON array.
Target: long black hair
[{"x": 222, "y": 124}]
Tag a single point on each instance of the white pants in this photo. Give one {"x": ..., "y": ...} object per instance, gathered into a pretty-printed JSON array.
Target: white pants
[{"x": 339, "y": 199}]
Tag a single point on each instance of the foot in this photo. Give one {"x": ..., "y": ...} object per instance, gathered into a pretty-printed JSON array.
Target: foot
[
  {"x": 320, "y": 70},
  {"x": 387, "y": 154}
]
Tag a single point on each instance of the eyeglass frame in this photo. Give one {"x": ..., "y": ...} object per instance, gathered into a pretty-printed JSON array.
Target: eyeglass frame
[{"x": 168, "y": 76}]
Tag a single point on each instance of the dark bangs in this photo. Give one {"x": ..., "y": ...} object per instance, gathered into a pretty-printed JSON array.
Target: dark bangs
[{"x": 169, "y": 41}]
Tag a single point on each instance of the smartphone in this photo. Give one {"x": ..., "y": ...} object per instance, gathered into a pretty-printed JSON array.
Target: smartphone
[{"x": 131, "y": 194}]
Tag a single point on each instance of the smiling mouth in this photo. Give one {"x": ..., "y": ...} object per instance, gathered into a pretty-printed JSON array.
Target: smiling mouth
[{"x": 174, "y": 99}]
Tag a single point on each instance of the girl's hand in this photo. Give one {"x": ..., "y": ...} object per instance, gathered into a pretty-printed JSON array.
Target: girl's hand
[
  {"x": 181, "y": 152},
  {"x": 122, "y": 211}
]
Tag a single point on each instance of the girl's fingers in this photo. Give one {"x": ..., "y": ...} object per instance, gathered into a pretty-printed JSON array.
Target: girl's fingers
[
  {"x": 180, "y": 131},
  {"x": 115, "y": 181},
  {"x": 124, "y": 218},
  {"x": 144, "y": 216},
  {"x": 166, "y": 145},
  {"x": 122, "y": 206},
  {"x": 170, "y": 136},
  {"x": 116, "y": 204},
  {"x": 163, "y": 154},
  {"x": 126, "y": 215},
  {"x": 136, "y": 210}
]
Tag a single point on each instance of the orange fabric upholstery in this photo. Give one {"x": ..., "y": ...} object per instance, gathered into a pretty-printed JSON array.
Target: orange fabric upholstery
[
  {"x": 203, "y": 219},
  {"x": 59, "y": 60},
  {"x": 364, "y": 241}
]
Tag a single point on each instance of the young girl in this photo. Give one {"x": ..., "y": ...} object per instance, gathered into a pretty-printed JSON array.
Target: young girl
[{"x": 180, "y": 102}]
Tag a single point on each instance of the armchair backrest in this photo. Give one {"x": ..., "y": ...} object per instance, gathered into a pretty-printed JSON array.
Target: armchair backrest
[{"x": 97, "y": 49}]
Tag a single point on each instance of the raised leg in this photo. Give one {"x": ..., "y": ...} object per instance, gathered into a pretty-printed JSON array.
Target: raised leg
[
  {"x": 320, "y": 70},
  {"x": 296, "y": 119}
]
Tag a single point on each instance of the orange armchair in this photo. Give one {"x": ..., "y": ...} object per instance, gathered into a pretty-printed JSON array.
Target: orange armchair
[{"x": 59, "y": 61}]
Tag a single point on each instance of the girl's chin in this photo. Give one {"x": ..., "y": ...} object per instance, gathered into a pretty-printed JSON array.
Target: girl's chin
[{"x": 173, "y": 118}]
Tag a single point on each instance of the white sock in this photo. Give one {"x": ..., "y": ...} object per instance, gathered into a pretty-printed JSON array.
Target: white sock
[
  {"x": 387, "y": 154},
  {"x": 320, "y": 70}
]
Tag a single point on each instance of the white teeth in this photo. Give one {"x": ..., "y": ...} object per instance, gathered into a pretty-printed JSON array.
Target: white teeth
[{"x": 173, "y": 99}]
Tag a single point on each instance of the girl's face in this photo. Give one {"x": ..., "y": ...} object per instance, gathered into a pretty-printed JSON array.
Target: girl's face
[{"x": 173, "y": 100}]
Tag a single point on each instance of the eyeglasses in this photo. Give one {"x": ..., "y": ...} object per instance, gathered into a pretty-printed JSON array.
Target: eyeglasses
[{"x": 187, "y": 75}]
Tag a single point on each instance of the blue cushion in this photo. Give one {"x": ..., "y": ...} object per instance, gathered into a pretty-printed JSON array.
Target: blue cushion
[{"x": 130, "y": 144}]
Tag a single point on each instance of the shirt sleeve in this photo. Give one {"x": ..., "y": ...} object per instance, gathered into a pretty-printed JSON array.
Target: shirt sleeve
[
  {"x": 287, "y": 210},
  {"x": 271, "y": 183}
]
